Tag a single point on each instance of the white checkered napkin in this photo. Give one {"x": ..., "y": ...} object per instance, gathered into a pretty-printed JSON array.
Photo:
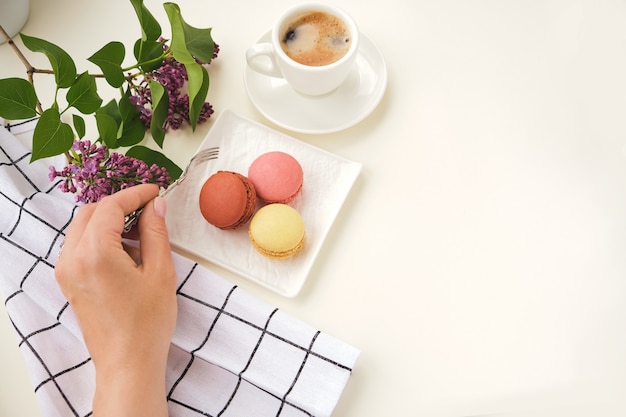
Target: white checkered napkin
[{"x": 231, "y": 354}]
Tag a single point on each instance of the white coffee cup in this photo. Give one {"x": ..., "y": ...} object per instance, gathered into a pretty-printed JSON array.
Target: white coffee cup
[
  {"x": 13, "y": 16},
  {"x": 317, "y": 78}
]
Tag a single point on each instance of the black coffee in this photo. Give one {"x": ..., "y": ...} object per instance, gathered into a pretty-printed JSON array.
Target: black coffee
[{"x": 316, "y": 39}]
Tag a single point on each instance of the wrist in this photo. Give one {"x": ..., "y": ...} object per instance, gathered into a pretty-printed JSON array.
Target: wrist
[{"x": 130, "y": 390}]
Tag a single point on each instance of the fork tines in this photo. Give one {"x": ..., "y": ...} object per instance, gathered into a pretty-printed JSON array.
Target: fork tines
[{"x": 204, "y": 155}]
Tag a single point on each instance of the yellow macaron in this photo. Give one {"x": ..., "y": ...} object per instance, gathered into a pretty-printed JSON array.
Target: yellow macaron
[{"x": 277, "y": 231}]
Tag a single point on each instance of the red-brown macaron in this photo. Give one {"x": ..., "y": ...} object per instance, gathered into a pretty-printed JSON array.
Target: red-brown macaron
[
  {"x": 227, "y": 200},
  {"x": 277, "y": 177}
]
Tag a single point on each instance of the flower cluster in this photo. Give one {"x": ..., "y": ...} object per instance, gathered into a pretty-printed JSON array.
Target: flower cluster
[
  {"x": 172, "y": 75},
  {"x": 93, "y": 172}
]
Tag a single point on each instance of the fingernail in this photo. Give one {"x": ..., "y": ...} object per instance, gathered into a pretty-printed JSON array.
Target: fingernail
[{"x": 160, "y": 206}]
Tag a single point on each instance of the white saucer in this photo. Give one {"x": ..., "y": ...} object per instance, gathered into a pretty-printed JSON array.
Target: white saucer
[{"x": 352, "y": 102}]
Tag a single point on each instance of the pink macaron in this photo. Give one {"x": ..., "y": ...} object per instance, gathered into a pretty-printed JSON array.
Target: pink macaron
[{"x": 277, "y": 177}]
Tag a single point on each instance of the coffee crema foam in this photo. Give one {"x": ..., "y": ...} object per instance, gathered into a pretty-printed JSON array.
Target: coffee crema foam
[{"x": 316, "y": 39}]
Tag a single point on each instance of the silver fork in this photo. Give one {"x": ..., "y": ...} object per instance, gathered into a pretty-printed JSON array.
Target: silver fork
[{"x": 204, "y": 155}]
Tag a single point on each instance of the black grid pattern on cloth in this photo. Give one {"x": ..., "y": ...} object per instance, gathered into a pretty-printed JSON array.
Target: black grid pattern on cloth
[
  {"x": 30, "y": 239},
  {"x": 269, "y": 369},
  {"x": 265, "y": 364}
]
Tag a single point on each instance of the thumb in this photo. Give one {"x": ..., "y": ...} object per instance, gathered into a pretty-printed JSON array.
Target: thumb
[{"x": 154, "y": 241}]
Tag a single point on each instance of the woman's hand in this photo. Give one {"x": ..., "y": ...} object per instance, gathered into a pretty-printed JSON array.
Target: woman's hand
[{"x": 126, "y": 309}]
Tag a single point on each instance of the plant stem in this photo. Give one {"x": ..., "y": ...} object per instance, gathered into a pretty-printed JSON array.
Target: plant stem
[
  {"x": 30, "y": 70},
  {"x": 150, "y": 61}
]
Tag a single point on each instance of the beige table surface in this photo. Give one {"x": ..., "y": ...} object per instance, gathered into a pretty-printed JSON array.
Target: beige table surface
[{"x": 479, "y": 262}]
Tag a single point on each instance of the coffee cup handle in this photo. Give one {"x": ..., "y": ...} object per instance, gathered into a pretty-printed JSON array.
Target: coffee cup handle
[{"x": 255, "y": 58}]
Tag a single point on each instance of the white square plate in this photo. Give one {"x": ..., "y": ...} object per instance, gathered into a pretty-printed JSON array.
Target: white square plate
[{"x": 327, "y": 182}]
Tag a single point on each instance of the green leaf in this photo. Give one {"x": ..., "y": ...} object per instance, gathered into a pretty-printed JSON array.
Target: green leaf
[
  {"x": 18, "y": 99},
  {"x": 160, "y": 104},
  {"x": 198, "y": 85},
  {"x": 188, "y": 42},
  {"x": 133, "y": 128},
  {"x": 198, "y": 42},
  {"x": 109, "y": 58},
  {"x": 79, "y": 125},
  {"x": 111, "y": 109},
  {"x": 150, "y": 157},
  {"x": 83, "y": 94},
  {"x": 150, "y": 28},
  {"x": 107, "y": 128},
  {"x": 127, "y": 110},
  {"x": 149, "y": 54},
  {"x": 62, "y": 64},
  {"x": 198, "y": 88},
  {"x": 51, "y": 136},
  {"x": 133, "y": 132},
  {"x": 178, "y": 45}
]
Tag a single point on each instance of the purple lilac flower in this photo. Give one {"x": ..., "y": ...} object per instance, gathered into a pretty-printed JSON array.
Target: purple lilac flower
[
  {"x": 93, "y": 172},
  {"x": 172, "y": 75}
]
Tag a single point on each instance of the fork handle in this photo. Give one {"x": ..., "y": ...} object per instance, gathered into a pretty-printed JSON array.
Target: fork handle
[{"x": 131, "y": 219}]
